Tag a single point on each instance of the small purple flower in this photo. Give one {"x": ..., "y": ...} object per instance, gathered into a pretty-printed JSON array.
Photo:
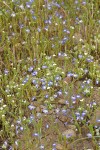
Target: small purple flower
[
  {"x": 54, "y": 148},
  {"x": 6, "y": 72},
  {"x": 73, "y": 60},
  {"x": 89, "y": 59},
  {"x": 57, "y": 5},
  {"x": 50, "y": 83},
  {"x": 45, "y": 111},
  {"x": 82, "y": 86},
  {"x": 30, "y": 69},
  {"x": 64, "y": 111},
  {"x": 94, "y": 103},
  {"x": 35, "y": 134},
  {"x": 37, "y": 86},
  {"x": 83, "y": 114},
  {"x": 98, "y": 120},
  {"x": 65, "y": 30},
  {"x": 77, "y": 114},
  {"x": 28, "y": 4},
  {"x": 61, "y": 16},
  {"x": 34, "y": 60},
  {"x": 34, "y": 73},
  {"x": 84, "y": 2},
  {"x": 67, "y": 102},
  {"x": 21, "y": 25},
  {"x": 31, "y": 118},
  {"x": 57, "y": 78},
  {"x": 31, "y": 107},
  {"x": 18, "y": 121},
  {"x": 10, "y": 148},
  {"x": 68, "y": 136},
  {"x": 59, "y": 54},
  {"x": 44, "y": 67},
  {"x": 25, "y": 80},
  {"x": 21, "y": 128},
  {"x": 86, "y": 71},
  {"x": 44, "y": 87},
  {"x": 39, "y": 29},
  {"x": 88, "y": 81},
  {"x": 42, "y": 79},
  {"x": 31, "y": 1},
  {"x": 54, "y": 144},
  {"x": 73, "y": 98},
  {"x": 76, "y": 2},
  {"x": 97, "y": 81},
  {"x": 66, "y": 123},
  {"x": 80, "y": 56},
  {"x": 63, "y": 41},
  {"x": 89, "y": 135},
  {"x": 6, "y": 143},
  {"x": 34, "y": 81},
  {"x": 46, "y": 28},
  {"x": 46, "y": 96},
  {"x": 46, "y": 21},
  {"x": 78, "y": 118},
  {"x": 70, "y": 74},
  {"x": 96, "y": 127},
  {"x": 78, "y": 96},
  {"x": 47, "y": 126},
  {"x": 59, "y": 92},
  {"x": 34, "y": 17}
]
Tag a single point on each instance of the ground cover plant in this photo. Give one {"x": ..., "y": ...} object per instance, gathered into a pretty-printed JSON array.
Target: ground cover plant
[{"x": 50, "y": 74}]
